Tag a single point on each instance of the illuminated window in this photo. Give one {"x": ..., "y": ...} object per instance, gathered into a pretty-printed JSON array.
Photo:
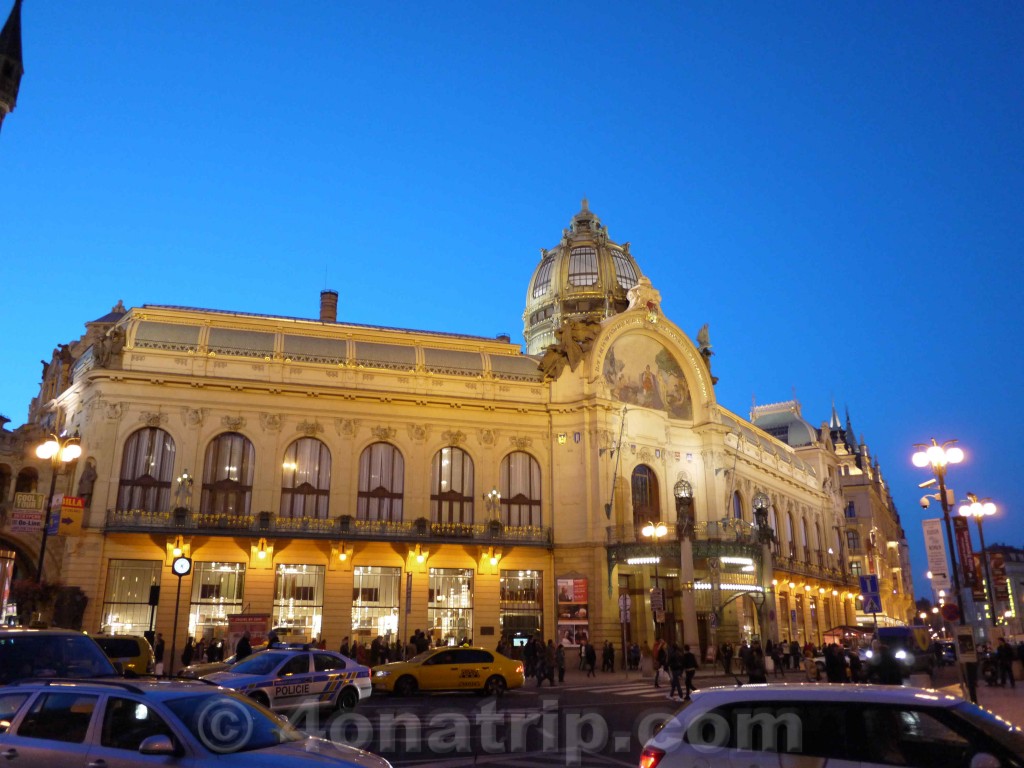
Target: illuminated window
[
  {"x": 450, "y": 605},
  {"x": 381, "y": 483},
  {"x": 299, "y": 599},
  {"x": 126, "y": 608},
  {"x": 522, "y": 603},
  {"x": 646, "y": 500},
  {"x": 217, "y": 590},
  {"x": 227, "y": 475},
  {"x": 147, "y": 466},
  {"x": 375, "y": 593},
  {"x": 520, "y": 489},
  {"x": 451, "y": 496},
  {"x": 543, "y": 281},
  {"x": 306, "y": 480}
]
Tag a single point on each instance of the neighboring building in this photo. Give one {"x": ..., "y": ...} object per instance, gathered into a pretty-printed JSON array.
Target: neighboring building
[
  {"x": 11, "y": 66},
  {"x": 359, "y": 481},
  {"x": 863, "y": 527},
  {"x": 1006, "y": 565}
]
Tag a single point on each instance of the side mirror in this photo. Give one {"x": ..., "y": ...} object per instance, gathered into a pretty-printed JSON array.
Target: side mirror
[
  {"x": 985, "y": 760},
  {"x": 158, "y": 745}
]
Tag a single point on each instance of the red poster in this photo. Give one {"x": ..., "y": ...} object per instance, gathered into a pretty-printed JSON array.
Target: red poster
[{"x": 965, "y": 551}]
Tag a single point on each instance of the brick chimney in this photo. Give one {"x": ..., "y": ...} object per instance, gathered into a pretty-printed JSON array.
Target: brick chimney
[{"x": 328, "y": 306}]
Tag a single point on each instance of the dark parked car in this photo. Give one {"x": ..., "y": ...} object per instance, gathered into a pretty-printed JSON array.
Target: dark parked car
[{"x": 26, "y": 653}]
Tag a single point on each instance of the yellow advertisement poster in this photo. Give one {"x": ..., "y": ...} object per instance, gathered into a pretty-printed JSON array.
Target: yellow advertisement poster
[{"x": 72, "y": 508}]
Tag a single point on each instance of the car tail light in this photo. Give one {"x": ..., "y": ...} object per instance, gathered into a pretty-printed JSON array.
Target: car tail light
[
  {"x": 651, "y": 757},
  {"x": 519, "y": 669}
]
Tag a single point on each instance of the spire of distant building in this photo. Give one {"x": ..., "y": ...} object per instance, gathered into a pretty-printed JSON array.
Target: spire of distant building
[{"x": 11, "y": 67}]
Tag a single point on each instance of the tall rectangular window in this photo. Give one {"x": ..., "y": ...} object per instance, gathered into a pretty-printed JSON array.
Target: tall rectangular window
[
  {"x": 299, "y": 600},
  {"x": 375, "y": 593},
  {"x": 450, "y": 605},
  {"x": 217, "y": 590},
  {"x": 126, "y": 608},
  {"x": 521, "y": 610}
]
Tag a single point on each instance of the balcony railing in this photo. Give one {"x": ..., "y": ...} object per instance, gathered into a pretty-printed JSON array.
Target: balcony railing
[
  {"x": 726, "y": 529},
  {"x": 344, "y": 527}
]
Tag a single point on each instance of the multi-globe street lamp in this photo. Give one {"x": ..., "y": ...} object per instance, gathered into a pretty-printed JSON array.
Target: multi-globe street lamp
[
  {"x": 61, "y": 451},
  {"x": 979, "y": 509},
  {"x": 938, "y": 458}
]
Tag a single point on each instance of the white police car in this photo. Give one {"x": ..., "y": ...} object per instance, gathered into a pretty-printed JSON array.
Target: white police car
[{"x": 288, "y": 678}]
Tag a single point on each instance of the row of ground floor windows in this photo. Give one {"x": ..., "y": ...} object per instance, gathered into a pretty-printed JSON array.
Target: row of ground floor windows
[{"x": 218, "y": 591}]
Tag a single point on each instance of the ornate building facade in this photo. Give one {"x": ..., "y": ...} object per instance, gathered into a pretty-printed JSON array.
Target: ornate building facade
[{"x": 361, "y": 481}]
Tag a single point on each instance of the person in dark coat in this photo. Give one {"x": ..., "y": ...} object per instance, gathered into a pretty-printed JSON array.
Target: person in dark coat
[
  {"x": 244, "y": 648},
  {"x": 689, "y": 669},
  {"x": 188, "y": 652},
  {"x": 675, "y": 670},
  {"x": 158, "y": 653},
  {"x": 591, "y": 657}
]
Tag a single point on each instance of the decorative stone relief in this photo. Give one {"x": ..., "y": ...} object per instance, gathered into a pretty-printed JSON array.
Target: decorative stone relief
[
  {"x": 270, "y": 422},
  {"x": 233, "y": 422},
  {"x": 114, "y": 411},
  {"x": 646, "y": 455},
  {"x": 345, "y": 427},
  {"x": 487, "y": 436},
  {"x": 151, "y": 419},
  {"x": 520, "y": 443},
  {"x": 309, "y": 428},
  {"x": 384, "y": 433},
  {"x": 454, "y": 438},
  {"x": 418, "y": 432},
  {"x": 193, "y": 417}
]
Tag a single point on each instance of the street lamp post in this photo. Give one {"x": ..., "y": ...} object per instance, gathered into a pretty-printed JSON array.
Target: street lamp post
[
  {"x": 683, "y": 493},
  {"x": 656, "y": 531},
  {"x": 938, "y": 457},
  {"x": 60, "y": 451},
  {"x": 979, "y": 510}
]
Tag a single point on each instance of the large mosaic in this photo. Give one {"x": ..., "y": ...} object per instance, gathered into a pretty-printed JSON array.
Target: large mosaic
[{"x": 640, "y": 371}]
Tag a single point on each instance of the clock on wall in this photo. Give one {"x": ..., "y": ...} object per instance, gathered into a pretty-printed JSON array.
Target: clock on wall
[{"x": 181, "y": 566}]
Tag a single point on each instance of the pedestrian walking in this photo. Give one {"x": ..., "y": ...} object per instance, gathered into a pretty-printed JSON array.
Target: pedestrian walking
[
  {"x": 560, "y": 662},
  {"x": 689, "y": 669},
  {"x": 244, "y": 648},
  {"x": 591, "y": 659},
  {"x": 1004, "y": 657},
  {"x": 158, "y": 653}
]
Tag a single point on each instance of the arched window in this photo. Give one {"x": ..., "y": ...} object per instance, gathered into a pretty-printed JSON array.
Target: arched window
[
  {"x": 306, "y": 481},
  {"x": 737, "y": 506},
  {"x": 803, "y": 537},
  {"x": 147, "y": 466},
  {"x": 819, "y": 543},
  {"x": 28, "y": 480},
  {"x": 520, "y": 489},
  {"x": 227, "y": 475},
  {"x": 773, "y": 523},
  {"x": 646, "y": 499},
  {"x": 451, "y": 482},
  {"x": 381, "y": 483},
  {"x": 790, "y": 534}
]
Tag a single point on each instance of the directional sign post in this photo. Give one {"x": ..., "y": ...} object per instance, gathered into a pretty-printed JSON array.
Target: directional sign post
[{"x": 872, "y": 599}]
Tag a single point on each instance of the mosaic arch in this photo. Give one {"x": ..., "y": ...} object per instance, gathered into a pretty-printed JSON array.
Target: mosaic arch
[{"x": 640, "y": 371}]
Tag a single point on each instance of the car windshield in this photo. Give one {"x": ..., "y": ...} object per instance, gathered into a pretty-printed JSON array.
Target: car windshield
[
  {"x": 223, "y": 723},
  {"x": 1000, "y": 730},
  {"x": 42, "y": 655},
  {"x": 257, "y": 664}
]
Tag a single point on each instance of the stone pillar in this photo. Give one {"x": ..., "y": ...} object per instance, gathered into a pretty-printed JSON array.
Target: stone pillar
[
  {"x": 769, "y": 623},
  {"x": 689, "y": 603}
]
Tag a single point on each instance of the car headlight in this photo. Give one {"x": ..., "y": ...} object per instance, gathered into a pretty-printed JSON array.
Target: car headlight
[
  {"x": 382, "y": 673},
  {"x": 901, "y": 654}
]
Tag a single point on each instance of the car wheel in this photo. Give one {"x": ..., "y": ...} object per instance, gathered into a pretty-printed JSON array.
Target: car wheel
[
  {"x": 348, "y": 698},
  {"x": 260, "y": 698},
  {"x": 406, "y": 686},
  {"x": 495, "y": 685}
]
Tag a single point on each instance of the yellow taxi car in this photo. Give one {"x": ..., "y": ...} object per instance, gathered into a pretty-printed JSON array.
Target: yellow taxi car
[
  {"x": 463, "y": 668},
  {"x": 132, "y": 652}
]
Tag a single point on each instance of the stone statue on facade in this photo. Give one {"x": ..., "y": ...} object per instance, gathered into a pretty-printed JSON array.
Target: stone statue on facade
[{"x": 575, "y": 340}]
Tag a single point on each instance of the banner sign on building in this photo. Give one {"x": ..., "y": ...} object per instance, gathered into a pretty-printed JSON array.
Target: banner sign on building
[
  {"x": 997, "y": 562},
  {"x": 72, "y": 509},
  {"x": 965, "y": 551},
  {"x": 935, "y": 548},
  {"x": 573, "y": 611},
  {"x": 27, "y": 514}
]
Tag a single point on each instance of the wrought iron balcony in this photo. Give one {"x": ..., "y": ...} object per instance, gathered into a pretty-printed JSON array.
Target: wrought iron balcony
[{"x": 336, "y": 528}]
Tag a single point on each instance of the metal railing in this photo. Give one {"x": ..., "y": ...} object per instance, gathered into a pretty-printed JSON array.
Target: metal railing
[{"x": 343, "y": 527}]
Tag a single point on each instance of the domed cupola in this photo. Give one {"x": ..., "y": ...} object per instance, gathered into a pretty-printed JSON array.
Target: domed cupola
[{"x": 586, "y": 276}]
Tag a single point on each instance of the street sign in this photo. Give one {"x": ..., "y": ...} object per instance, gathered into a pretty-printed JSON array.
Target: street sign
[
  {"x": 950, "y": 612},
  {"x": 869, "y": 591},
  {"x": 625, "y": 604},
  {"x": 657, "y": 600},
  {"x": 872, "y": 604}
]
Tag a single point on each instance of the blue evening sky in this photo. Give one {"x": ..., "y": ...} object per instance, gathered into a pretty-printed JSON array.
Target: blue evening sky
[{"x": 834, "y": 187}]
